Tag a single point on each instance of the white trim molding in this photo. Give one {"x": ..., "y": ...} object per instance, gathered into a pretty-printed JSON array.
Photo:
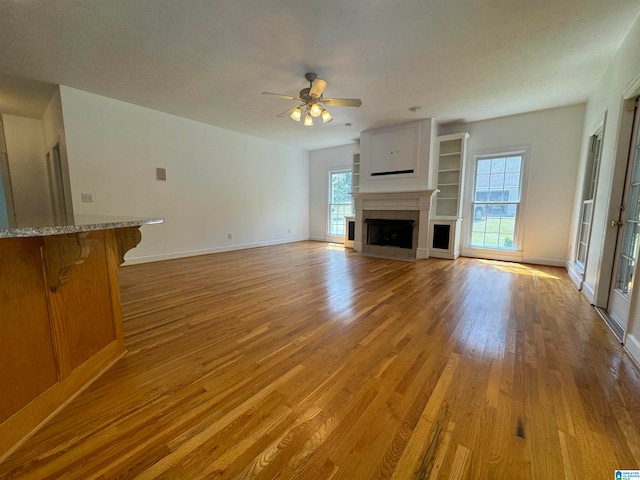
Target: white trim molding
[
  {"x": 632, "y": 345},
  {"x": 589, "y": 293},
  {"x": 575, "y": 274}
]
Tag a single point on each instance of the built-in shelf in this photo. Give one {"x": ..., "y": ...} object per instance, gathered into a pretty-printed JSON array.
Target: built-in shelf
[
  {"x": 450, "y": 174},
  {"x": 355, "y": 172},
  {"x": 445, "y": 224}
]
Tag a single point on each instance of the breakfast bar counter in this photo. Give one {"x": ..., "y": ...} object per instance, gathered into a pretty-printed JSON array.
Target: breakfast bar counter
[{"x": 60, "y": 318}]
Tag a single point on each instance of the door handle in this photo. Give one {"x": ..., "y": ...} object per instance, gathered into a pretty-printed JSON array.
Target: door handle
[{"x": 616, "y": 224}]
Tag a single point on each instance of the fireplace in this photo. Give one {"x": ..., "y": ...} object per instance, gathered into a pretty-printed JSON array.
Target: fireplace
[
  {"x": 390, "y": 233},
  {"x": 393, "y": 224}
]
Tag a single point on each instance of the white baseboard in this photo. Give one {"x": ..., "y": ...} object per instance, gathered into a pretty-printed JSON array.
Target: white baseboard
[
  {"x": 588, "y": 292},
  {"x": 334, "y": 239},
  {"x": 328, "y": 239},
  {"x": 552, "y": 262},
  {"x": 574, "y": 275},
  {"x": 207, "y": 251},
  {"x": 503, "y": 256},
  {"x": 633, "y": 347},
  {"x": 511, "y": 256},
  {"x": 441, "y": 254}
]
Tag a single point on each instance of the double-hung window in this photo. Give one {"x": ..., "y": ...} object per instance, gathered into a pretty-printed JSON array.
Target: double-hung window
[
  {"x": 495, "y": 203},
  {"x": 339, "y": 201}
]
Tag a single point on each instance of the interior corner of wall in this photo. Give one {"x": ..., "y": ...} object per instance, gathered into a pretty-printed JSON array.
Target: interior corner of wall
[{"x": 632, "y": 345}]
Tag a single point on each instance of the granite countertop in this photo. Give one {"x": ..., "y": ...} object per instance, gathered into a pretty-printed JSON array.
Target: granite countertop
[{"x": 41, "y": 226}]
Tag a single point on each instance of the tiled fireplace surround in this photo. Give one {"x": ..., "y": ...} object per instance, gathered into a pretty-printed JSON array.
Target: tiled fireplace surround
[{"x": 415, "y": 205}]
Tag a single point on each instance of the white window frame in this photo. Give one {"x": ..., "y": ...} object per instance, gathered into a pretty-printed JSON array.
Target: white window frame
[
  {"x": 330, "y": 173},
  {"x": 515, "y": 254},
  {"x": 592, "y": 172}
]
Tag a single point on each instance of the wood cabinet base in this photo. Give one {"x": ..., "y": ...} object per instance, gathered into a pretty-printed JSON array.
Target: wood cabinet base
[
  {"x": 60, "y": 323},
  {"x": 19, "y": 427}
]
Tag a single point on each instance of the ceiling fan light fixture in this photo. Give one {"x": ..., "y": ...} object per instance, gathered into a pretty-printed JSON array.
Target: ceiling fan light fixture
[
  {"x": 308, "y": 121},
  {"x": 315, "y": 110},
  {"x": 311, "y": 102},
  {"x": 296, "y": 114}
]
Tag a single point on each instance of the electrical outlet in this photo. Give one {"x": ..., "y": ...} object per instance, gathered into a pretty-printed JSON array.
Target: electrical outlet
[
  {"x": 289, "y": 230},
  {"x": 87, "y": 197},
  {"x": 229, "y": 236}
]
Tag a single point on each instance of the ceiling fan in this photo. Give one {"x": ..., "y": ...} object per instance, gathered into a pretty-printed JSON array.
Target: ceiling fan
[{"x": 313, "y": 102}]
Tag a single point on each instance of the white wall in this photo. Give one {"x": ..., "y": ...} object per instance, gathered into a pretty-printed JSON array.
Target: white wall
[
  {"x": 553, "y": 137},
  {"x": 25, "y": 154},
  {"x": 5, "y": 186},
  {"x": 218, "y": 182},
  {"x": 621, "y": 79},
  {"x": 321, "y": 162},
  {"x": 3, "y": 203}
]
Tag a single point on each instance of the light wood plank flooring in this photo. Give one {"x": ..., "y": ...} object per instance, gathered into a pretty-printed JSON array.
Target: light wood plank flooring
[{"x": 306, "y": 361}]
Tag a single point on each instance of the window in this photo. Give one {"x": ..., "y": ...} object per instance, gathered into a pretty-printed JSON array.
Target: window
[
  {"x": 339, "y": 201},
  {"x": 589, "y": 190},
  {"x": 496, "y": 200}
]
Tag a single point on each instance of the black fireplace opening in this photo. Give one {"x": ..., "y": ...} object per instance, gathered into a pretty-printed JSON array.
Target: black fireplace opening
[{"x": 390, "y": 233}]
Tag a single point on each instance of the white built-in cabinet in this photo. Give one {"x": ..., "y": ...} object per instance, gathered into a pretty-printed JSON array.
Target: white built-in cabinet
[
  {"x": 451, "y": 152},
  {"x": 355, "y": 173},
  {"x": 350, "y": 221}
]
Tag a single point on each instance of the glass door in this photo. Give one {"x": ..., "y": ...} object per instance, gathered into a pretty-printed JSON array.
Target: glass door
[{"x": 628, "y": 226}]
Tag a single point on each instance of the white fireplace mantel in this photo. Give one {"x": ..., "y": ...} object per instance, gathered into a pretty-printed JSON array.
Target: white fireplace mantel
[{"x": 419, "y": 200}]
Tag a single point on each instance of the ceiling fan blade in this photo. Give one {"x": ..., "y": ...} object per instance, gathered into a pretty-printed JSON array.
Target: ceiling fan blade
[
  {"x": 288, "y": 97},
  {"x": 287, "y": 113},
  {"x": 317, "y": 87},
  {"x": 342, "y": 102}
]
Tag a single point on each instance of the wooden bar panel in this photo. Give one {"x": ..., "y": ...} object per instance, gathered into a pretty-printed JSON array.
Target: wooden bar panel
[
  {"x": 83, "y": 305},
  {"x": 27, "y": 362},
  {"x": 60, "y": 322}
]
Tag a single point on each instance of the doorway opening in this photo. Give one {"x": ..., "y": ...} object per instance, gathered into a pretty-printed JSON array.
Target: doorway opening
[{"x": 56, "y": 184}]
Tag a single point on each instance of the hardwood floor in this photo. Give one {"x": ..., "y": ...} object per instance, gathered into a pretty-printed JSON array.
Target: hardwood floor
[{"x": 305, "y": 361}]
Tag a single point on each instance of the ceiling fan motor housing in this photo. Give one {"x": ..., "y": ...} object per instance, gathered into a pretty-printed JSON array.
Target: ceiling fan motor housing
[{"x": 304, "y": 94}]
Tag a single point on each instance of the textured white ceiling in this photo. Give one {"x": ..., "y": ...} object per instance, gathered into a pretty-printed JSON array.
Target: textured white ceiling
[{"x": 209, "y": 60}]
